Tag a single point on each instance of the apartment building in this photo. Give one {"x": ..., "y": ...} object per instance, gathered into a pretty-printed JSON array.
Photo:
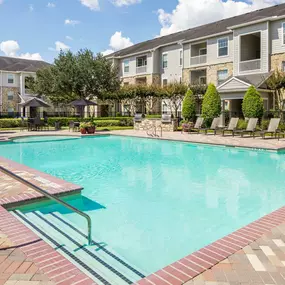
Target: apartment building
[
  {"x": 233, "y": 53},
  {"x": 13, "y": 83}
]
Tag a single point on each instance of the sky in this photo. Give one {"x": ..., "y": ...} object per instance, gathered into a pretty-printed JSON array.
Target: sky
[{"x": 39, "y": 29}]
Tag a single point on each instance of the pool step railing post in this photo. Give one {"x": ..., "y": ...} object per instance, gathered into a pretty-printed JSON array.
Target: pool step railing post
[{"x": 52, "y": 197}]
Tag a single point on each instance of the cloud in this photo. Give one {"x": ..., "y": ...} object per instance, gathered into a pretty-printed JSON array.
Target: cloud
[
  {"x": 11, "y": 48},
  {"x": 71, "y": 22},
  {"x": 107, "y": 52},
  {"x": 91, "y": 4},
  {"x": 69, "y": 38},
  {"x": 121, "y": 3},
  {"x": 117, "y": 42},
  {"x": 34, "y": 56},
  {"x": 31, "y": 8},
  {"x": 188, "y": 14},
  {"x": 51, "y": 5},
  {"x": 59, "y": 46}
]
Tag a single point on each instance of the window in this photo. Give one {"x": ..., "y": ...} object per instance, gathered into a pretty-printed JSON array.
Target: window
[
  {"x": 10, "y": 95},
  {"x": 203, "y": 80},
  {"x": 126, "y": 66},
  {"x": 202, "y": 51},
  {"x": 10, "y": 110},
  {"x": 164, "y": 82},
  {"x": 222, "y": 76},
  {"x": 283, "y": 33},
  {"x": 126, "y": 83},
  {"x": 164, "y": 60},
  {"x": 141, "y": 61},
  {"x": 180, "y": 57},
  {"x": 223, "y": 47},
  {"x": 11, "y": 78}
]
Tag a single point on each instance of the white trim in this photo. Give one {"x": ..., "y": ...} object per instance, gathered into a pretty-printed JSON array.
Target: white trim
[
  {"x": 272, "y": 19},
  {"x": 282, "y": 31},
  {"x": 239, "y": 49},
  {"x": 222, "y": 70},
  {"x": 221, "y": 56},
  {"x": 207, "y": 37},
  {"x": 233, "y": 78},
  {"x": 202, "y": 49},
  {"x": 13, "y": 78},
  {"x": 164, "y": 53}
]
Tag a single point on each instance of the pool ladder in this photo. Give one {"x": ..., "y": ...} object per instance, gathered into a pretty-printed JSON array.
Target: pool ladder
[{"x": 52, "y": 197}]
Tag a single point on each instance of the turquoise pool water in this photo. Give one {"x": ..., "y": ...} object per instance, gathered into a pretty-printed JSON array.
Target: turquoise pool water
[{"x": 157, "y": 201}]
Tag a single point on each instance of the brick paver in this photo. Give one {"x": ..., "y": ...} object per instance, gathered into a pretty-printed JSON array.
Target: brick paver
[{"x": 15, "y": 267}]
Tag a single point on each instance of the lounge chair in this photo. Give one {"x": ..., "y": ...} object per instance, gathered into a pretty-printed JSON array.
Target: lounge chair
[
  {"x": 250, "y": 128},
  {"x": 272, "y": 128},
  {"x": 74, "y": 126},
  {"x": 138, "y": 118},
  {"x": 214, "y": 126},
  {"x": 231, "y": 127},
  {"x": 166, "y": 119},
  {"x": 198, "y": 125}
]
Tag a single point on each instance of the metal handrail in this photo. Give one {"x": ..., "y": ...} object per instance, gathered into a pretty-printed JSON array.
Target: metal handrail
[{"x": 52, "y": 197}]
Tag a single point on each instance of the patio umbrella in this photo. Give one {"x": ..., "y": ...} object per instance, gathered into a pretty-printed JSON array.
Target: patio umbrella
[
  {"x": 35, "y": 102},
  {"x": 82, "y": 103}
]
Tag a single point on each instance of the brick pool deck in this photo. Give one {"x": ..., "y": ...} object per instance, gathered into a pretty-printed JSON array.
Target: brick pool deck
[
  {"x": 252, "y": 255},
  {"x": 25, "y": 259}
]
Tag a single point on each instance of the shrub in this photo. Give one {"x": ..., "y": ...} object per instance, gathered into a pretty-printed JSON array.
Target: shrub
[
  {"x": 211, "y": 105},
  {"x": 189, "y": 106},
  {"x": 10, "y": 123},
  {"x": 64, "y": 121},
  {"x": 242, "y": 124},
  {"x": 153, "y": 116},
  {"x": 252, "y": 105},
  {"x": 264, "y": 124}
]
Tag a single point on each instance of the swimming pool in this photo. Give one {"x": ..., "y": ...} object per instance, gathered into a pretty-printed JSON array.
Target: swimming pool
[{"x": 154, "y": 201}]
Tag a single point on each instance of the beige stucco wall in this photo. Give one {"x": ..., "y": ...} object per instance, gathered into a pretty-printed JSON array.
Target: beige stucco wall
[
  {"x": 10, "y": 103},
  {"x": 276, "y": 61},
  {"x": 211, "y": 72}
]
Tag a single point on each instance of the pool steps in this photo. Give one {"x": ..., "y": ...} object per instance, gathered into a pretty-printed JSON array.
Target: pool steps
[{"x": 98, "y": 261}]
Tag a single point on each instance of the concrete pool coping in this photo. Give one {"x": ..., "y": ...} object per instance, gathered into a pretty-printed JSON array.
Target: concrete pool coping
[{"x": 182, "y": 270}]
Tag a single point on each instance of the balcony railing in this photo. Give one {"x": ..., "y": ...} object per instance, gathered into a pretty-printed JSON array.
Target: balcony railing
[
  {"x": 200, "y": 59},
  {"x": 249, "y": 65},
  {"x": 141, "y": 69}
]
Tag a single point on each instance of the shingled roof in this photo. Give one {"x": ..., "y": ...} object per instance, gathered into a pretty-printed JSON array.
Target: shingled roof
[
  {"x": 20, "y": 64},
  {"x": 203, "y": 31}
]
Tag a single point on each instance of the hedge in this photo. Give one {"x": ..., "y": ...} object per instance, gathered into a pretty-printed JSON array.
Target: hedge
[
  {"x": 10, "y": 123},
  {"x": 114, "y": 121}
]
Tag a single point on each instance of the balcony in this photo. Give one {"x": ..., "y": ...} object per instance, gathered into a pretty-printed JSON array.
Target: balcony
[
  {"x": 200, "y": 59},
  {"x": 141, "y": 69},
  {"x": 250, "y": 65}
]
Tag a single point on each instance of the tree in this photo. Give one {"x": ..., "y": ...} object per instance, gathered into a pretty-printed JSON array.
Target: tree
[
  {"x": 276, "y": 82},
  {"x": 189, "y": 106},
  {"x": 252, "y": 104},
  {"x": 76, "y": 76},
  {"x": 211, "y": 105},
  {"x": 173, "y": 94}
]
